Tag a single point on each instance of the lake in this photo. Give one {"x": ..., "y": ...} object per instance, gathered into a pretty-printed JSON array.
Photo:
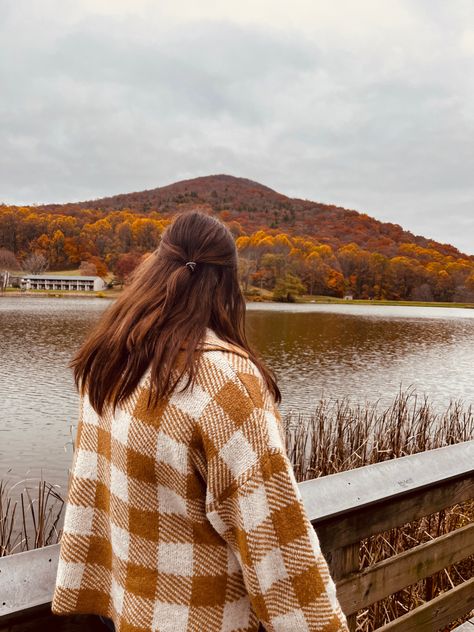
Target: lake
[{"x": 332, "y": 351}]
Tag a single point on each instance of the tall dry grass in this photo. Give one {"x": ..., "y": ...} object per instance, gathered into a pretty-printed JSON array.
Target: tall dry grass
[
  {"x": 339, "y": 436},
  {"x": 30, "y": 521}
]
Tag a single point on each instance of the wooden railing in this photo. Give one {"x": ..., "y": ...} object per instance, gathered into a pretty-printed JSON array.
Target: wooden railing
[
  {"x": 345, "y": 508},
  {"x": 350, "y": 506}
]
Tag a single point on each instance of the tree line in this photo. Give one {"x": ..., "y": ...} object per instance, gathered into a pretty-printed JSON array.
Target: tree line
[{"x": 114, "y": 242}]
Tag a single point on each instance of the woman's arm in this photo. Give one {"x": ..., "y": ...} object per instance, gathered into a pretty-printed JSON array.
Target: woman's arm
[
  {"x": 285, "y": 573},
  {"x": 254, "y": 503}
]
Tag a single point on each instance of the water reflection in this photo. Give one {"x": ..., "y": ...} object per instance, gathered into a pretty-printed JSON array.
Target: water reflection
[
  {"x": 338, "y": 350},
  {"x": 365, "y": 356}
]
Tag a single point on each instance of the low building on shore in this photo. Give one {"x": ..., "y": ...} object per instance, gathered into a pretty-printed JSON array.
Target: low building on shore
[{"x": 62, "y": 282}]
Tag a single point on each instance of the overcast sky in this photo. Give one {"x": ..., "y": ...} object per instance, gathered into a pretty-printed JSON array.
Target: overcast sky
[{"x": 367, "y": 104}]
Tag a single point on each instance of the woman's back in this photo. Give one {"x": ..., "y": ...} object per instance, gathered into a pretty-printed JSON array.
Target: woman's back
[{"x": 172, "y": 509}]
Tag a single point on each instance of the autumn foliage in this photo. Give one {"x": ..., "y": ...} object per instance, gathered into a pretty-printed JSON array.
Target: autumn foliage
[{"x": 312, "y": 247}]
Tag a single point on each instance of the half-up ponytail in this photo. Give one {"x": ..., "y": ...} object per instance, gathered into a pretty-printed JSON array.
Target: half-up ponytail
[{"x": 166, "y": 308}]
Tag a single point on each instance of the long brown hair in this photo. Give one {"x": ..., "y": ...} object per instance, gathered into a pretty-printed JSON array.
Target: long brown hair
[{"x": 168, "y": 306}]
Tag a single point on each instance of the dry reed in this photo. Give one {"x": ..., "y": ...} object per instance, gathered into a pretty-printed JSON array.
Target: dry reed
[
  {"x": 36, "y": 523},
  {"x": 339, "y": 436}
]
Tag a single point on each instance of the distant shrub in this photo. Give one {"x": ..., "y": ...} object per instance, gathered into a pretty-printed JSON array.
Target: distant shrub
[
  {"x": 287, "y": 289},
  {"x": 252, "y": 291}
]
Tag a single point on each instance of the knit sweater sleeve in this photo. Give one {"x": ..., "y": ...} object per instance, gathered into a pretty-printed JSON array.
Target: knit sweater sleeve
[{"x": 254, "y": 503}]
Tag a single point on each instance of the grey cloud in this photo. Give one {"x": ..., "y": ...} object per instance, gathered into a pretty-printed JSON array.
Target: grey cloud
[{"x": 97, "y": 105}]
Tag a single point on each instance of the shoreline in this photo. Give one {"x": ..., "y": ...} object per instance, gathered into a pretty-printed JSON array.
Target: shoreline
[
  {"x": 113, "y": 294},
  {"x": 58, "y": 294}
]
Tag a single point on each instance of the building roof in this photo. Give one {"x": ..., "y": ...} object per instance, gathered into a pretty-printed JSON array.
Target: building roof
[{"x": 60, "y": 277}]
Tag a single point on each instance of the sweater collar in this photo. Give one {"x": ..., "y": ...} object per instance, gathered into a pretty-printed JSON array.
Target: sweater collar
[{"x": 212, "y": 341}]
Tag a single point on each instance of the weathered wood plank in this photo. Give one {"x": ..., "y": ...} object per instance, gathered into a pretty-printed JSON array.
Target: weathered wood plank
[
  {"x": 27, "y": 579},
  {"x": 342, "y": 562},
  {"x": 437, "y": 613},
  {"x": 336, "y": 494},
  {"x": 380, "y": 580},
  {"x": 361, "y": 523}
]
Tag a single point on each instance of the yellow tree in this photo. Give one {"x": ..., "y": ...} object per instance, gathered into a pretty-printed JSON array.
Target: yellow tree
[{"x": 57, "y": 254}]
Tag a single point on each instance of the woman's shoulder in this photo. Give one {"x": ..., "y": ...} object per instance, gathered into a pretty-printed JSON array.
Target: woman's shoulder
[
  {"x": 213, "y": 342},
  {"x": 231, "y": 358},
  {"x": 233, "y": 371}
]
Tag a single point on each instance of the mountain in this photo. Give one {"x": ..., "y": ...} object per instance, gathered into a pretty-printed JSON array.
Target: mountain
[{"x": 257, "y": 207}]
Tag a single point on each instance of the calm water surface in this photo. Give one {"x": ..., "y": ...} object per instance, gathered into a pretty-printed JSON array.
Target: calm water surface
[{"x": 354, "y": 351}]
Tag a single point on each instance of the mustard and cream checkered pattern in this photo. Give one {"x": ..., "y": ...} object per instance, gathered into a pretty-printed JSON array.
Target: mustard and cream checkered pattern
[{"x": 187, "y": 516}]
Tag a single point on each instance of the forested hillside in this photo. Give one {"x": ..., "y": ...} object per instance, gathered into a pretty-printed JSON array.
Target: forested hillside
[{"x": 283, "y": 242}]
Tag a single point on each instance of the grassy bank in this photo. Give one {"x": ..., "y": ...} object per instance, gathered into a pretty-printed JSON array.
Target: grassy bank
[{"x": 61, "y": 293}]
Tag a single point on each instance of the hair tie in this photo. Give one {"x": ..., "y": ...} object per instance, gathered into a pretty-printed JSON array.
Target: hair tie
[{"x": 191, "y": 265}]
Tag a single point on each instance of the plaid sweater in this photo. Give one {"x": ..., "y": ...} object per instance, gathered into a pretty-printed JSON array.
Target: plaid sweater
[{"x": 188, "y": 517}]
